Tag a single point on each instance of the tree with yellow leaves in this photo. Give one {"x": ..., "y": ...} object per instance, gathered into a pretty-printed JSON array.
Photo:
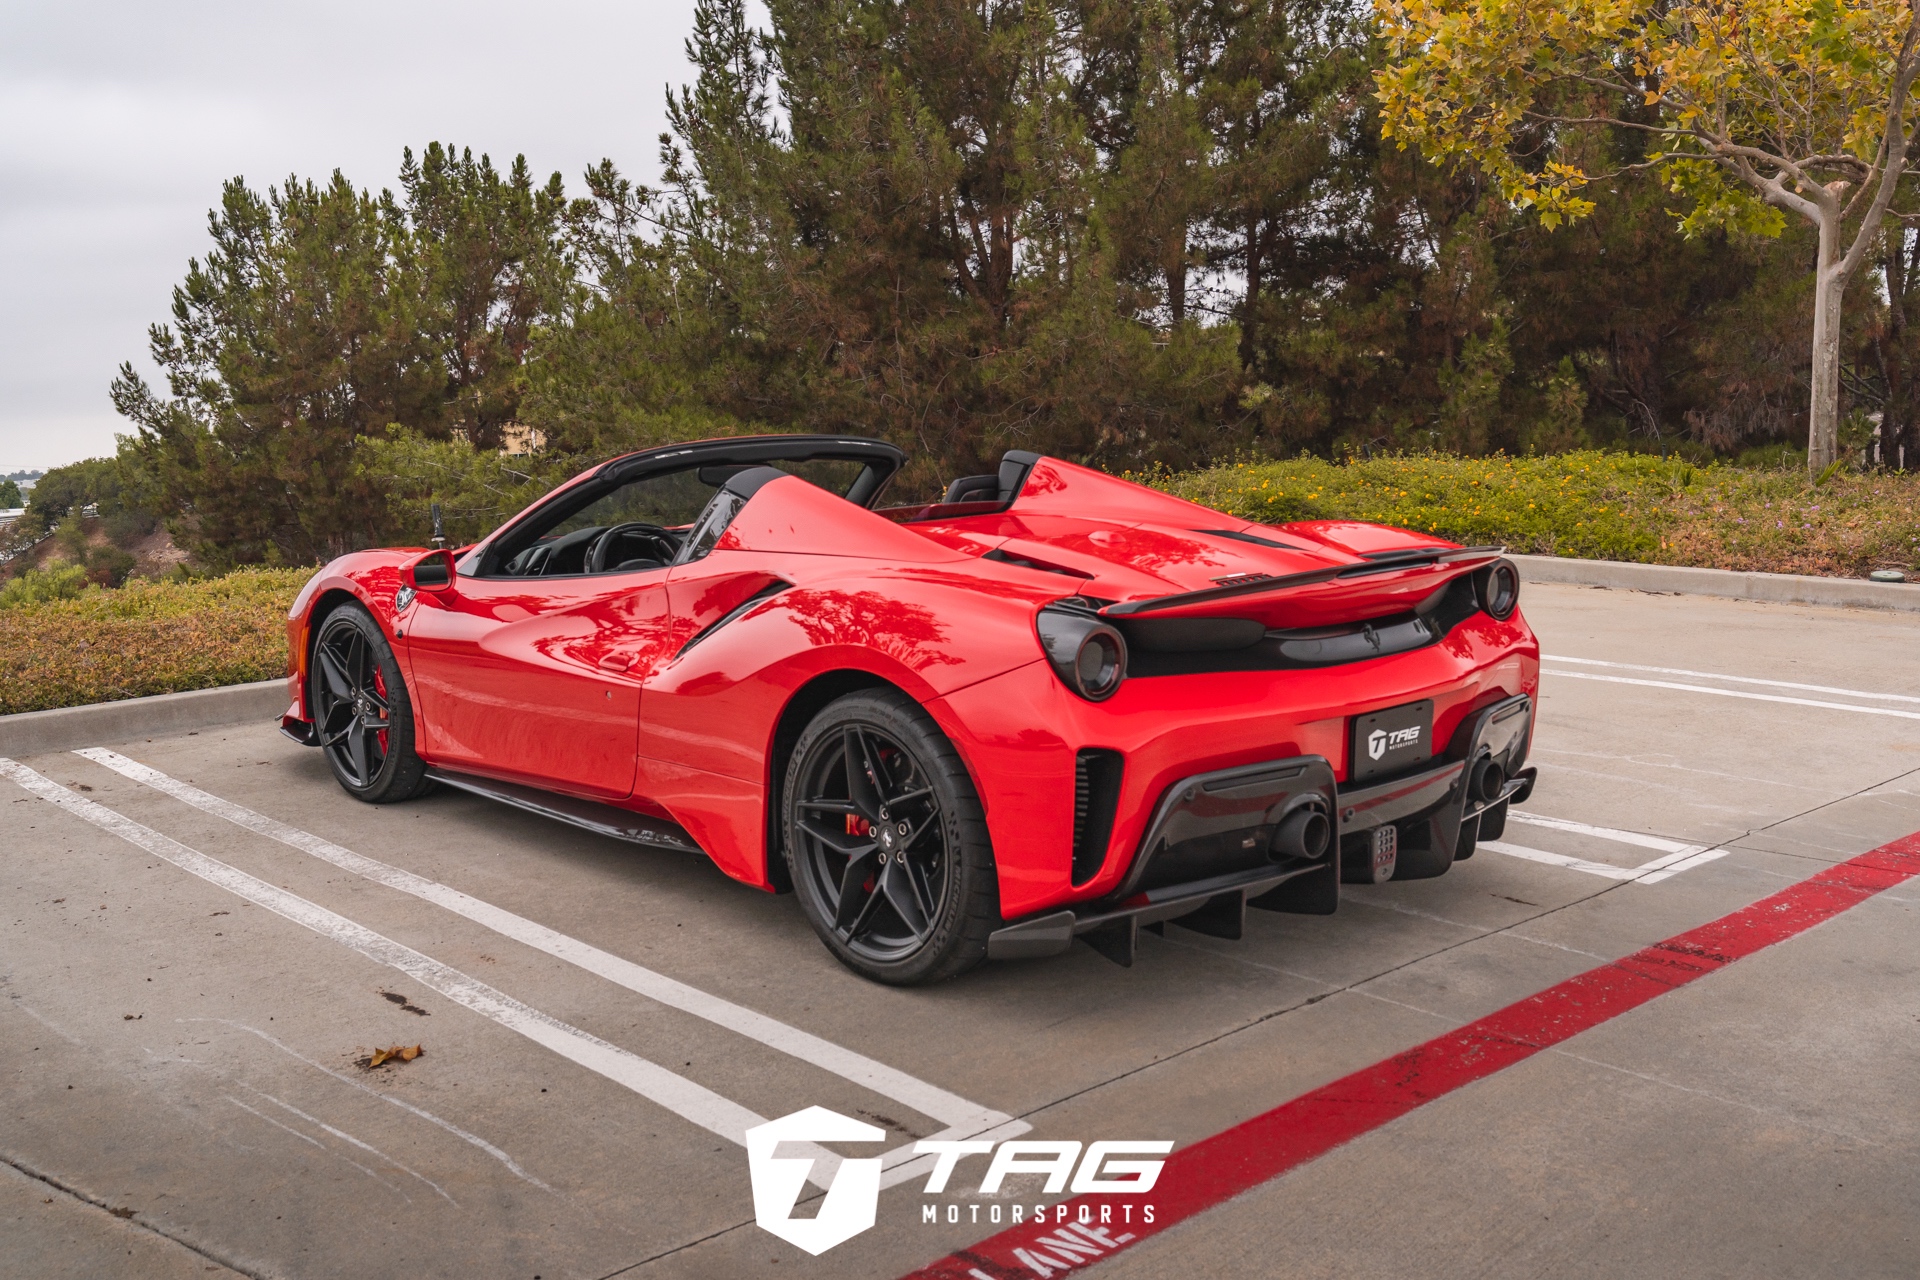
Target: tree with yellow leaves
[{"x": 1755, "y": 109}]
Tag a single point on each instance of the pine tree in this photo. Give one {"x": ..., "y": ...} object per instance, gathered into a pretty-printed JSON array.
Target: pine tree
[
  {"x": 893, "y": 210},
  {"x": 295, "y": 337},
  {"x": 489, "y": 264},
  {"x": 322, "y": 316}
]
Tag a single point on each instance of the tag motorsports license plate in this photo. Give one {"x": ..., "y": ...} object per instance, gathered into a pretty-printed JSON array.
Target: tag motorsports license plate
[{"x": 1391, "y": 741}]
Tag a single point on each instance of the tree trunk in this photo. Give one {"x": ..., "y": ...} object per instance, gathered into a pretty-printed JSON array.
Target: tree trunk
[
  {"x": 1823, "y": 416},
  {"x": 1897, "y": 358},
  {"x": 1249, "y": 350},
  {"x": 1177, "y": 287}
]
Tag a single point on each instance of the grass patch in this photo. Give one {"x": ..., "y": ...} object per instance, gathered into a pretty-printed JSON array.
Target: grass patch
[
  {"x": 144, "y": 638},
  {"x": 1600, "y": 506}
]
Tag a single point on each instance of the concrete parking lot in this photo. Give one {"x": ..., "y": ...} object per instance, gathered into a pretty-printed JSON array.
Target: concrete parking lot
[{"x": 204, "y": 945}]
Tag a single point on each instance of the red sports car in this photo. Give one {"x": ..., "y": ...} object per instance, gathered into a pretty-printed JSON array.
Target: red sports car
[{"x": 1052, "y": 705}]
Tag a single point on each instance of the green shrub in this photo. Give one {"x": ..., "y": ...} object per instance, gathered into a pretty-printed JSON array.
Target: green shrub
[
  {"x": 1775, "y": 522},
  {"x": 1595, "y": 505},
  {"x": 145, "y": 638},
  {"x": 108, "y": 566},
  {"x": 1772, "y": 457},
  {"x": 1588, "y": 504},
  {"x": 477, "y": 489},
  {"x": 38, "y": 586}
]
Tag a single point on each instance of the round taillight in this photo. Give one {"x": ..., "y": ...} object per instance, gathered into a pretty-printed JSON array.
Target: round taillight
[
  {"x": 1089, "y": 654},
  {"x": 1500, "y": 589},
  {"x": 1099, "y": 664}
]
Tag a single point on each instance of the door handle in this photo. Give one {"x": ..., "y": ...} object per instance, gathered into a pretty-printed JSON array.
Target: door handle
[{"x": 617, "y": 661}]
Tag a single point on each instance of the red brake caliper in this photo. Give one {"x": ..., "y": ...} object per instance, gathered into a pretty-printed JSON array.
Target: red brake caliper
[
  {"x": 380, "y": 687},
  {"x": 859, "y": 826}
]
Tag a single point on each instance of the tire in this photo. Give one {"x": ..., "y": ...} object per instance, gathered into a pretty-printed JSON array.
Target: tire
[
  {"x": 362, "y": 713},
  {"x": 930, "y": 895}
]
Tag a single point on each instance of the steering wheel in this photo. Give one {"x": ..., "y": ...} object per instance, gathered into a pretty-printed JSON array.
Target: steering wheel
[{"x": 662, "y": 544}]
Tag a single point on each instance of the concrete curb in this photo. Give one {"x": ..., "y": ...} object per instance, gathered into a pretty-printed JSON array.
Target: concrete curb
[
  {"x": 1774, "y": 588},
  {"x": 99, "y": 723}
]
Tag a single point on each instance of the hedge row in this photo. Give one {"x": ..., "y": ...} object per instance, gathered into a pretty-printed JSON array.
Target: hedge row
[
  {"x": 146, "y": 638},
  {"x": 1601, "y": 506}
]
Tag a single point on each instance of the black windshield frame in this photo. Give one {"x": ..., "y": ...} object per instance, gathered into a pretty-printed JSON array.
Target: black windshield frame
[{"x": 881, "y": 461}]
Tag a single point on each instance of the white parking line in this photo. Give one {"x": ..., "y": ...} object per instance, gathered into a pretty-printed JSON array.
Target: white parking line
[
  {"x": 1679, "y": 857},
  {"x": 1659, "y": 873},
  {"x": 473, "y": 1139},
  {"x": 1606, "y": 833},
  {"x": 692, "y": 1102},
  {"x": 1646, "y": 873},
  {"x": 1714, "y": 675},
  {"x": 367, "y": 1147},
  {"x": 307, "y": 1138},
  {"x": 964, "y": 1119},
  {"x": 1734, "y": 693}
]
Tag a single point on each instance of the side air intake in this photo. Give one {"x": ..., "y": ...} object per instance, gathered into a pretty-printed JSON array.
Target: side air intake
[{"x": 1096, "y": 795}]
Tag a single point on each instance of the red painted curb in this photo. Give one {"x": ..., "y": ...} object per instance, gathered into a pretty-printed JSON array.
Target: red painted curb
[{"x": 1218, "y": 1168}]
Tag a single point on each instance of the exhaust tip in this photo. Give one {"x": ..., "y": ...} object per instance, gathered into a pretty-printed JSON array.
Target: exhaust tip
[
  {"x": 1304, "y": 833},
  {"x": 1488, "y": 778}
]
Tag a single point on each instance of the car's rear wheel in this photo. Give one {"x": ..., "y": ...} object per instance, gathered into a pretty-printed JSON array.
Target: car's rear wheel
[
  {"x": 362, "y": 714},
  {"x": 887, "y": 843}
]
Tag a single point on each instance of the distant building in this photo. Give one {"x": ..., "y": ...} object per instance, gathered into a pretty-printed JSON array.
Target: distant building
[{"x": 518, "y": 438}]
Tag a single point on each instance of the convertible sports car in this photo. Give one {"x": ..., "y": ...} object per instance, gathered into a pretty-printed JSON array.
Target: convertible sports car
[{"x": 1053, "y": 705}]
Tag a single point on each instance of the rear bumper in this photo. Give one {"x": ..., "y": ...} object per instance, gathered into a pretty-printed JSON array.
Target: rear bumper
[
  {"x": 1021, "y": 733},
  {"x": 1214, "y": 846},
  {"x": 1433, "y": 794},
  {"x": 1483, "y": 768}
]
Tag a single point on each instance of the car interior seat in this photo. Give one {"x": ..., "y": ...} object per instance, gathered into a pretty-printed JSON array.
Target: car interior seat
[{"x": 1003, "y": 486}]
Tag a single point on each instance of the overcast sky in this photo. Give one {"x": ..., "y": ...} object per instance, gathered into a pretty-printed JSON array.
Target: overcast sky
[{"x": 120, "y": 120}]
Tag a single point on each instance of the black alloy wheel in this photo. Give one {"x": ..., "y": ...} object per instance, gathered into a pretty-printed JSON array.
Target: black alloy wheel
[
  {"x": 362, "y": 715},
  {"x": 886, "y": 842}
]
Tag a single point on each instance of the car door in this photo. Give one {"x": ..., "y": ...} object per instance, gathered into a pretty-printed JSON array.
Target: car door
[
  {"x": 538, "y": 679},
  {"x": 531, "y": 668}
]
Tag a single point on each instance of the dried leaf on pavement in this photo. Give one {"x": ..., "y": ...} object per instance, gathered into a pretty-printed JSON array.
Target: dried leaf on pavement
[{"x": 397, "y": 1053}]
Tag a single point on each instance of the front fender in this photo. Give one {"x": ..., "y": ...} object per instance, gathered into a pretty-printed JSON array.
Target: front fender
[{"x": 371, "y": 578}]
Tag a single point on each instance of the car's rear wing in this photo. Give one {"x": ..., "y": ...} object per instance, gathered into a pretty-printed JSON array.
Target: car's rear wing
[{"x": 1248, "y": 587}]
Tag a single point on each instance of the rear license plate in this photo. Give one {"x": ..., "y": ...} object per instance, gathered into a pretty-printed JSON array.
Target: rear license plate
[{"x": 1391, "y": 740}]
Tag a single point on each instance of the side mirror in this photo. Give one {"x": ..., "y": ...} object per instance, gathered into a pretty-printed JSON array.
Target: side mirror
[{"x": 431, "y": 572}]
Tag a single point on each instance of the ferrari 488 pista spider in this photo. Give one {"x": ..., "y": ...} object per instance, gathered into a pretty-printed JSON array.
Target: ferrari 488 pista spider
[{"x": 1052, "y": 705}]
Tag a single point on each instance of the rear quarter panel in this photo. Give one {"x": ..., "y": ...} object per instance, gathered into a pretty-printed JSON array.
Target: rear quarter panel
[{"x": 709, "y": 717}]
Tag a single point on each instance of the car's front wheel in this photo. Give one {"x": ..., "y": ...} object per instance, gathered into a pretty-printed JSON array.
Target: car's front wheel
[
  {"x": 887, "y": 843},
  {"x": 362, "y": 714}
]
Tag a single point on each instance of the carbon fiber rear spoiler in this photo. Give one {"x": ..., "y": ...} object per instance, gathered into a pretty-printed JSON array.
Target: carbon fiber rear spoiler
[{"x": 1261, "y": 584}]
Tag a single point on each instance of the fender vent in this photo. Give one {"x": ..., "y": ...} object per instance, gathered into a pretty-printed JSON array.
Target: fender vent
[
  {"x": 773, "y": 588},
  {"x": 1096, "y": 794}
]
